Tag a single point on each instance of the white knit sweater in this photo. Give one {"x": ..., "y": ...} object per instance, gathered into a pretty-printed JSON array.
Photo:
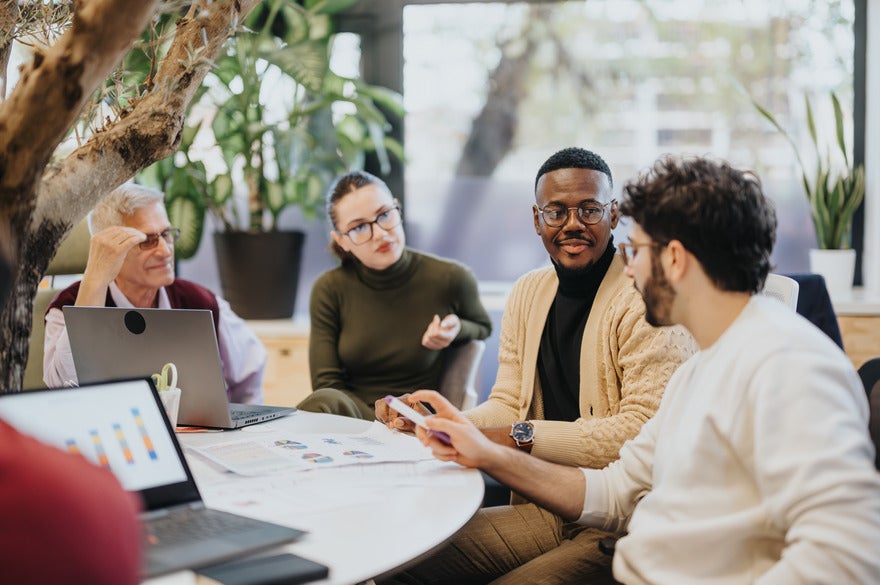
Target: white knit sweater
[{"x": 757, "y": 468}]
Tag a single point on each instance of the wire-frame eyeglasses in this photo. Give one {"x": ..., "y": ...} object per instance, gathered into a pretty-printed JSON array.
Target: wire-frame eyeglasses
[
  {"x": 628, "y": 249},
  {"x": 588, "y": 213},
  {"x": 170, "y": 236},
  {"x": 363, "y": 232}
]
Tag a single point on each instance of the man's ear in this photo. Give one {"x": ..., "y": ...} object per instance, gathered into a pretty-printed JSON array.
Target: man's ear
[
  {"x": 536, "y": 217},
  {"x": 676, "y": 260},
  {"x": 614, "y": 214}
]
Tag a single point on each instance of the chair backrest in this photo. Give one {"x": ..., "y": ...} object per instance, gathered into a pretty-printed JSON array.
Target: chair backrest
[
  {"x": 874, "y": 421},
  {"x": 782, "y": 288},
  {"x": 460, "y": 373},
  {"x": 814, "y": 303},
  {"x": 71, "y": 258},
  {"x": 869, "y": 372}
]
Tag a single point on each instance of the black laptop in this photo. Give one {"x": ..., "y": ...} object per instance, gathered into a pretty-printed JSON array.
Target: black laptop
[{"x": 122, "y": 426}]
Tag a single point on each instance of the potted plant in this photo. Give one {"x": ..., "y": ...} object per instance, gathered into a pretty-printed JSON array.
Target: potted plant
[
  {"x": 281, "y": 125},
  {"x": 834, "y": 195}
]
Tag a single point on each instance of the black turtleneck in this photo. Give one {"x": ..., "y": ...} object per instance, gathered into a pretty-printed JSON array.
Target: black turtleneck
[{"x": 559, "y": 357}]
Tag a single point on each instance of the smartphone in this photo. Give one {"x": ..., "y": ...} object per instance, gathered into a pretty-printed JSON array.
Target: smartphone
[{"x": 415, "y": 416}]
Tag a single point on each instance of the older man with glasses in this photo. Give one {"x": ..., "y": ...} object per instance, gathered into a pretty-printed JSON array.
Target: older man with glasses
[
  {"x": 579, "y": 372},
  {"x": 131, "y": 264}
]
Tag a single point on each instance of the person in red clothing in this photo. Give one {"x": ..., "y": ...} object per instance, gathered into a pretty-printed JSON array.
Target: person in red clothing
[{"x": 62, "y": 519}]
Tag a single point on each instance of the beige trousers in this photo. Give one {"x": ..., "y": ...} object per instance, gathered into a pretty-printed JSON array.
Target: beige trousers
[{"x": 509, "y": 545}]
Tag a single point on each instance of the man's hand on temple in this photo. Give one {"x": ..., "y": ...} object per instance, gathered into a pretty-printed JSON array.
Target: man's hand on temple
[{"x": 107, "y": 251}]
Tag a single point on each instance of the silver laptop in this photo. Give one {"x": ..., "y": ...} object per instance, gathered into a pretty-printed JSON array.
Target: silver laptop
[
  {"x": 109, "y": 343},
  {"x": 122, "y": 426}
]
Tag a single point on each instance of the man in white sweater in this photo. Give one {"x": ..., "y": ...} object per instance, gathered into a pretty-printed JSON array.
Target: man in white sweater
[{"x": 758, "y": 467}]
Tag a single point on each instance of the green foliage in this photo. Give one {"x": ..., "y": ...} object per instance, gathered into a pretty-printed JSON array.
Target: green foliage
[
  {"x": 285, "y": 158},
  {"x": 834, "y": 195}
]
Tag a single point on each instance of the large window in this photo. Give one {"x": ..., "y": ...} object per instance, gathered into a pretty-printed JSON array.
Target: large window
[{"x": 492, "y": 89}]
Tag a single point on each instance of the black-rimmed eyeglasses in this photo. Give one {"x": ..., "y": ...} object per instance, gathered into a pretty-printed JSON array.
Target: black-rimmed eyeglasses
[
  {"x": 588, "y": 213},
  {"x": 170, "y": 236},
  {"x": 363, "y": 232},
  {"x": 628, "y": 249}
]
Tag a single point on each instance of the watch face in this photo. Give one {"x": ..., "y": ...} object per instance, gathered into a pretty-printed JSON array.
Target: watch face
[{"x": 522, "y": 431}]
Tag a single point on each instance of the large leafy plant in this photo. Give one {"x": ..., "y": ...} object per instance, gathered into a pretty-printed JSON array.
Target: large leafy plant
[
  {"x": 280, "y": 125},
  {"x": 835, "y": 192}
]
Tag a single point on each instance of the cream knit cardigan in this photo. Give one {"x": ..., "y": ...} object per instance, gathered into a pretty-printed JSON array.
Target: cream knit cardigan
[{"x": 625, "y": 365}]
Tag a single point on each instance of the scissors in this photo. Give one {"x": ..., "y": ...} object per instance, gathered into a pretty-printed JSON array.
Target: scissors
[{"x": 167, "y": 379}]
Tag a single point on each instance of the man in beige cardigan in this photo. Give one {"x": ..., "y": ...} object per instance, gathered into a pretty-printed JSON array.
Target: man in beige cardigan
[{"x": 579, "y": 373}]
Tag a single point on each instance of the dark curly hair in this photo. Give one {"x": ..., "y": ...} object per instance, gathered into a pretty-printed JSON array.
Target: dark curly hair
[
  {"x": 574, "y": 158},
  {"x": 720, "y": 214}
]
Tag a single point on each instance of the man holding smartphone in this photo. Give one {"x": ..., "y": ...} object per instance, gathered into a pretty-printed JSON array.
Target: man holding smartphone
[{"x": 757, "y": 467}]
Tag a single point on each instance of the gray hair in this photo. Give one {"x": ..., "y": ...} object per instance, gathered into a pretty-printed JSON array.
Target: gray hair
[{"x": 120, "y": 203}]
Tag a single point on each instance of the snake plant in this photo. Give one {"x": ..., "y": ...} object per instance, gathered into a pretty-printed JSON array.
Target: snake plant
[{"x": 834, "y": 194}]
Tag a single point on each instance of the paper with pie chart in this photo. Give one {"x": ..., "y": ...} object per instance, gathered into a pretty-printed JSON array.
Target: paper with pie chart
[{"x": 280, "y": 451}]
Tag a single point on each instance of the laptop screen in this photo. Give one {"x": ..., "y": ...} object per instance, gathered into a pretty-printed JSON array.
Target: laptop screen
[{"x": 118, "y": 425}]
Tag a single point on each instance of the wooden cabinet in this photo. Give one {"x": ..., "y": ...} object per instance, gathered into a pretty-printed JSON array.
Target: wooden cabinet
[
  {"x": 859, "y": 321},
  {"x": 286, "y": 381},
  {"x": 861, "y": 337}
]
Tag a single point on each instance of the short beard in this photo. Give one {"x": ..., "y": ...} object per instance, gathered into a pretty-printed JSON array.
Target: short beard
[{"x": 658, "y": 295}]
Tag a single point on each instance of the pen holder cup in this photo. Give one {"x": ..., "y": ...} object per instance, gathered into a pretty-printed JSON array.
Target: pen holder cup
[{"x": 171, "y": 402}]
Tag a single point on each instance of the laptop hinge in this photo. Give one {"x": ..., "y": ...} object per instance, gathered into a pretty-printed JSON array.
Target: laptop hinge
[{"x": 152, "y": 514}]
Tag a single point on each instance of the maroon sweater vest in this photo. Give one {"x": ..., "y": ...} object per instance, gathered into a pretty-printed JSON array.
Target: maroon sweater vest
[{"x": 182, "y": 294}]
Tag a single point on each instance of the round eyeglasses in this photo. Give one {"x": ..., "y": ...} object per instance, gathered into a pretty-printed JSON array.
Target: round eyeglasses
[
  {"x": 170, "y": 236},
  {"x": 363, "y": 232},
  {"x": 588, "y": 213}
]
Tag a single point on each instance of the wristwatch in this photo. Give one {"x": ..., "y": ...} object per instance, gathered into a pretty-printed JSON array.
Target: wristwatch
[{"x": 523, "y": 434}]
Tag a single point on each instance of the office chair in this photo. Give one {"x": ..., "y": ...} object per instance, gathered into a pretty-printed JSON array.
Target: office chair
[
  {"x": 814, "y": 303},
  {"x": 782, "y": 288},
  {"x": 869, "y": 372},
  {"x": 460, "y": 365},
  {"x": 71, "y": 258}
]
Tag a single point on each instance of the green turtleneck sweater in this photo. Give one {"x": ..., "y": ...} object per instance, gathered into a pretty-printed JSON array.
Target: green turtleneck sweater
[{"x": 367, "y": 325}]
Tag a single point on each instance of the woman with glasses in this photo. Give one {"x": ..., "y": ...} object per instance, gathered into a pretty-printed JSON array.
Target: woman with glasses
[
  {"x": 131, "y": 264},
  {"x": 379, "y": 320}
]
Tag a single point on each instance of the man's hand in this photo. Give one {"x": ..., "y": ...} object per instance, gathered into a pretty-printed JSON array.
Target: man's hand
[
  {"x": 558, "y": 488},
  {"x": 469, "y": 446},
  {"x": 501, "y": 435},
  {"x": 393, "y": 419},
  {"x": 440, "y": 334},
  {"x": 107, "y": 251}
]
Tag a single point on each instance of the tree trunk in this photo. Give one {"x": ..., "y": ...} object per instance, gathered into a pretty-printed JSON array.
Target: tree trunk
[
  {"x": 42, "y": 206},
  {"x": 492, "y": 133}
]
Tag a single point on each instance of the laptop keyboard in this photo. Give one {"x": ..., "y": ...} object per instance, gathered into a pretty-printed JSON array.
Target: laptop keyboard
[{"x": 185, "y": 525}]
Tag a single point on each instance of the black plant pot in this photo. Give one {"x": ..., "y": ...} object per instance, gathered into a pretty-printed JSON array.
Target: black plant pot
[{"x": 259, "y": 272}]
